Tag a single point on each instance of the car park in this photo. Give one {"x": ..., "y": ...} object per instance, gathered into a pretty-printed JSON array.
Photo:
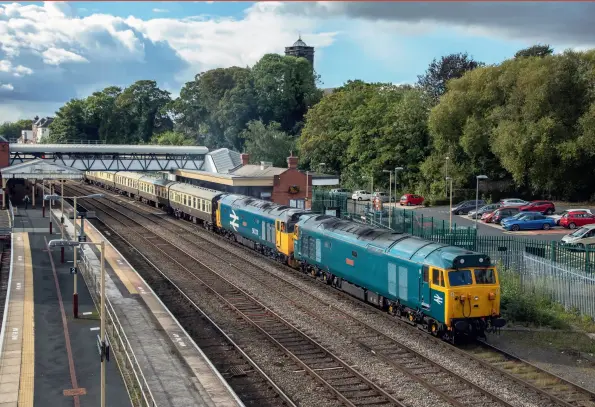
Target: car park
[
  {"x": 559, "y": 216},
  {"x": 361, "y": 195},
  {"x": 484, "y": 209},
  {"x": 573, "y": 219},
  {"x": 513, "y": 202},
  {"x": 581, "y": 238},
  {"x": 544, "y": 207},
  {"x": 411, "y": 200},
  {"x": 503, "y": 213},
  {"x": 383, "y": 196},
  {"x": 465, "y": 207},
  {"x": 528, "y": 221}
]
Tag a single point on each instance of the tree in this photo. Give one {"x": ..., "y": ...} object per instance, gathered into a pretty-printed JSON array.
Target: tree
[
  {"x": 362, "y": 129},
  {"x": 12, "y": 130},
  {"x": 69, "y": 123},
  {"x": 535, "y": 51},
  {"x": 527, "y": 121},
  {"x": 285, "y": 88},
  {"x": 102, "y": 115},
  {"x": 267, "y": 142},
  {"x": 435, "y": 79},
  {"x": 171, "y": 138}
]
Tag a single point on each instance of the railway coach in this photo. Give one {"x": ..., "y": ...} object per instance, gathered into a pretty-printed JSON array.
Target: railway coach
[
  {"x": 261, "y": 225},
  {"x": 154, "y": 190},
  {"x": 445, "y": 289},
  {"x": 194, "y": 203}
]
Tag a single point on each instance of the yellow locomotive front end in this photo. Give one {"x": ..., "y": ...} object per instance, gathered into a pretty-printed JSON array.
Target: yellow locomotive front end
[{"x": 473, "y": 304}]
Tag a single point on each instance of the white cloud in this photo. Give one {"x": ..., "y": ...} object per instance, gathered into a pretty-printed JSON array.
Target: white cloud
[
  {"x": 56, "y": 56},
  {"x": 49, "y": 54},
  {"x": 6, "y": 86},
  {"x": 160, "y": 10}
]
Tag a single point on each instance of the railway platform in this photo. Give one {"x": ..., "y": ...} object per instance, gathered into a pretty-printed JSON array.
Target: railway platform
[{"x": 172, "y": 367}]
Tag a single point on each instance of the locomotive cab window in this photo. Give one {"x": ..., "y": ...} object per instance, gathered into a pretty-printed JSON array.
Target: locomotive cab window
[
  {"x": 485, "y": 276},
  {"x": 282, "y": 226},
  {"x": 354, "y": 253},
  {"x": 426, "y": 274},
  {"x": 437, "y": 278},
  {"x": 460, "y": 277}
]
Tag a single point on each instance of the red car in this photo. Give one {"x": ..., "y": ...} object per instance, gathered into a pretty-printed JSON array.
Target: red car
[
  {"x": 545, "y": 207},
  {"x": 504, "y": 212},
  {"x": 487, "y": 217},
  {"x": 411, "y": 199},
  {"x": 573, "y": 219}
]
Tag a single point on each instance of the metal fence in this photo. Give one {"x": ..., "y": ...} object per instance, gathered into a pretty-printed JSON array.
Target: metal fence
[{"x": 571, "y": 288}]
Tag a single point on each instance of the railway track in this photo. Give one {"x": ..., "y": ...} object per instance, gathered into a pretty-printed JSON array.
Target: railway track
[
  {"x": 455, "y": 390},
  {"x": 554, "y": 389},
  {"x": 344, "y": 383}
]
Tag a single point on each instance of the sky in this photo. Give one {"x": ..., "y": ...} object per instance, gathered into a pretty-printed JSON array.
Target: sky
[{"x": 51, "y": 52}]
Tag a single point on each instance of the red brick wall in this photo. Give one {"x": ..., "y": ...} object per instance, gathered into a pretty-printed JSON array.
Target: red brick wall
[
  {"x": 4, "y": 155},
  {"x": 284, "y": 181}
]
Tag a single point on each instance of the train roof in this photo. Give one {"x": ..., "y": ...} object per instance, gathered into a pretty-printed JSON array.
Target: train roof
[
  {"x": 194, "y": 190},
  {"x": 400, "y": 245},
  {"x": 130, "y": 174},
  {"x": 259, "y": 206},
  {"x": 156, "y": 180}
]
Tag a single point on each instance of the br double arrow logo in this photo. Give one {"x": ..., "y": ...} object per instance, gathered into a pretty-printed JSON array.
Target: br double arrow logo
[{"x": 234, "y": 222}]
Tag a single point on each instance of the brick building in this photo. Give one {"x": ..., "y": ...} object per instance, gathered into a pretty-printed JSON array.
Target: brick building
[{"x": 287, "y": 186}]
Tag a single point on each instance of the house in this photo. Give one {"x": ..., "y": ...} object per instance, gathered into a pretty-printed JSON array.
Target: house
[{"x": 41, "y": 128}]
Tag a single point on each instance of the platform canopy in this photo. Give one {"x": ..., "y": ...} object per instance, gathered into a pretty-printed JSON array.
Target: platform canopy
[{"x": 40, "y": 169}]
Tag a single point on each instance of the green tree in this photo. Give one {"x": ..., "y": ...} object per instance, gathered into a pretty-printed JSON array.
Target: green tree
[
  {"x": 535, "y": 51},
  {"x": 101, "y": 114},
  {"x": 171, "y": 138},
  {"x": 69, "y": 123},
  {"x": 268, "y": 143},
  {"x": 439, "y": 72},
  {"x": 362, "y": 129},
  {"x": 12, "y": 130},
  {"x": 285, "y": 89}
]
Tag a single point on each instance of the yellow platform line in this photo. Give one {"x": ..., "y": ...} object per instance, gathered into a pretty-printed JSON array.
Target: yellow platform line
[
  {"x": 28, "y": 349},
  {"x": 110, "y": 255}
]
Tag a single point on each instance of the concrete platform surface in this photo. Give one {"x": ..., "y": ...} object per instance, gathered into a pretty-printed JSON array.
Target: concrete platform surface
[{"x": 175, "y": 369}]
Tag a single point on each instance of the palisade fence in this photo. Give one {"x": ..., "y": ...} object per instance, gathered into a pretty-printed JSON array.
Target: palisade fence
[{"x": 565, "y": 273}]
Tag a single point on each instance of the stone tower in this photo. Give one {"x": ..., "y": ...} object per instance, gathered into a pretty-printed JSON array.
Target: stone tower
[{"x": 300, "y": 49}]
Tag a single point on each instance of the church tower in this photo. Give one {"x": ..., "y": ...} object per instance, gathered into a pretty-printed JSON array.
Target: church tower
[{"x": 300, "y": 49}]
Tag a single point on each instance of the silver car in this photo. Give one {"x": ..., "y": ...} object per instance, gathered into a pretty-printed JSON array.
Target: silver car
[
  {"x": 582, "y": 237},
  {"x": 383, "y": 196},
  {"x": 513, "y": 202}
]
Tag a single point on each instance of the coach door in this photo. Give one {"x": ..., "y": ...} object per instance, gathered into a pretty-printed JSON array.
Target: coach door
[{"x": 278, "y": 234}]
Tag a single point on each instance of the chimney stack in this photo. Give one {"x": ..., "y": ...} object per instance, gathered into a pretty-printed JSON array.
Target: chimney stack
[
  {"x": 292, "y": 161},
  {"x": 245, "y": 158}
]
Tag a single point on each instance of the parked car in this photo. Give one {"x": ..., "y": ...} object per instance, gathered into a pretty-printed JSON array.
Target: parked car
[
  {"x": 581, "y": 238},
  {"x": 340, "y": 191},
  {"x": 411, "y": 200},
  {"x": 488, "y": 216},
  {"x": 573, "y": 219},
  {"x": 528, "y": 221},
  {"x": 558, "y": 216},
  {"x": 544, "y": 207},
  {"x": 484, "y": 209},
  {"x": 504, "y": 212},
  {"x": 463, "y": 208},
  {"x": 513, "y": 202},
  {"x": 383, "y": 196},
  {"x": 361, "y": 195}
]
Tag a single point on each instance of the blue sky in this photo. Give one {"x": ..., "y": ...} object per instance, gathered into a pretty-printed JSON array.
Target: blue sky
[{"x": 52, "y": 52}]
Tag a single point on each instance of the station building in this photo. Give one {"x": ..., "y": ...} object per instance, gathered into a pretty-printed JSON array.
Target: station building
[{"x": 230, "y": 171}]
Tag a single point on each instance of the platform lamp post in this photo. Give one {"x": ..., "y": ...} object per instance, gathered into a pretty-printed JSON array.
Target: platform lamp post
[
  {"x": 397, "y": 169},
  {"x": 103, "y": 343},
  {"x": 75, "y": 296},
  {"x": 478, "y": 177},
  {"x": 390, "y": 193},
  {"x": 450, "y": 209},
  {"x": 446, "y": 177}
]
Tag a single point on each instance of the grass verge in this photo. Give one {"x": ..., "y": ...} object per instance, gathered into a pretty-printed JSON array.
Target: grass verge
[{"x": 534, "y": 308}]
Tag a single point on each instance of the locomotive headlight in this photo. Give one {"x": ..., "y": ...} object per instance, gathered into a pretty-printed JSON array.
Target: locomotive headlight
[
  {"x": 476, "y": 298},
  {"x": 481, "y": 259},
  {"x": 462, "y": 261}
]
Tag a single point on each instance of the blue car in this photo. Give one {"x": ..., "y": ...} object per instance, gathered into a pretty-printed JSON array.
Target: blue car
[{"x": 528, "y": 221}]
